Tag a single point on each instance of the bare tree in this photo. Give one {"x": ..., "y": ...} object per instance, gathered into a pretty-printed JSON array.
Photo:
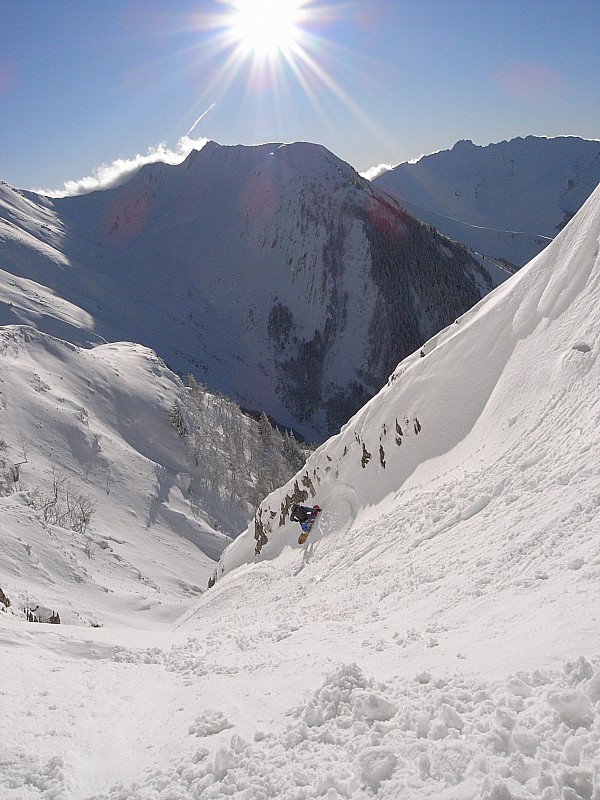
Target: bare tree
[
  {"x": 64, "y": 506},
  {"x": 25, "y": 443}
]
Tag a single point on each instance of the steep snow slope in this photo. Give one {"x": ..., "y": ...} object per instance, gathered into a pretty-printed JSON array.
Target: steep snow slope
[
  {"x": 274, "y": 274},
  {"x": 505, "y": 200},
  {"x": 437, "y": 636},
  {"x": 96, "y": 423},
  {"x": 480, "y": 398},
  {"x": 35, "y": 274}
]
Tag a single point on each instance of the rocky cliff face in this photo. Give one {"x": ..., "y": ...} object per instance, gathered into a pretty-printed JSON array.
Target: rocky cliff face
[{"x": 274, "y": 274}]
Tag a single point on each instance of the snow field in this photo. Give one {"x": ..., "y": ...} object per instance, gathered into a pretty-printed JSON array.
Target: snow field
[
  {"x": 238, "y": 708},
  {"x": 534, "y": 736}
]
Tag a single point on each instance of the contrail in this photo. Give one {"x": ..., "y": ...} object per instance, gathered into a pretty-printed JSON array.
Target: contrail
[{"x": 210, "y": 108}]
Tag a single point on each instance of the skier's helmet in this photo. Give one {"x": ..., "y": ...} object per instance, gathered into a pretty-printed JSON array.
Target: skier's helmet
[{"x": 316, "y": 508}]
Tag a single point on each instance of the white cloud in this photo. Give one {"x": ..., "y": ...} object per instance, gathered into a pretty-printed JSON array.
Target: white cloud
[
  {"x": 375, "y": 172},
  {"x": 119, "y": 171}
]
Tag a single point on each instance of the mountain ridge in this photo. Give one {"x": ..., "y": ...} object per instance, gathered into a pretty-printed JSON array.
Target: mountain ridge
[
  {"x": 255, "y": 269},
  {"x": 506, "y": 200}
]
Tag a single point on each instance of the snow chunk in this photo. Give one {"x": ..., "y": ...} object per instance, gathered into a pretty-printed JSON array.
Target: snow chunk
[
  {"x": 518, "y": 687},
  {"x": 577, "y": 671},
  {"x": 376, "y": 764},
  {"x": 449, "y": 762},
  {"x": 209, "y": 723},
  {"x": 423, "y": 677},
  {"x": 374, "y": 707},
  {"x": 526, "y": 742},
  {"x": 593, "y": 687},
  {"x": 451, "y": 718},
  {"x": 579, "y": 782},
  {"x": 574, "y": 708},
  {"x": 335, "y": 697},
  {"x": 582, "y": 347},
  {"x": 475, "y": 507}
]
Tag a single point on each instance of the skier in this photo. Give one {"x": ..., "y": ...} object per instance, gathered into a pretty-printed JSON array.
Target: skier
[{"x": 306, "y": 516}]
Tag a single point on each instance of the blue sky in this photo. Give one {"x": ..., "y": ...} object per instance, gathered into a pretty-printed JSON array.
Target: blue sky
[{"x": 85, "y": 83}]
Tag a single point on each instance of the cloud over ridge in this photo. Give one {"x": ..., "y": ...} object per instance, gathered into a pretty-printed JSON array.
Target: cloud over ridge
[
  {"x": 374, "y": 172},
  {"x": 107, "y": 176}
]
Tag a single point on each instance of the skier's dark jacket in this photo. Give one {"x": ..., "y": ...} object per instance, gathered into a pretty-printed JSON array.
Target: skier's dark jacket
[{"x": 300, "y": 513}]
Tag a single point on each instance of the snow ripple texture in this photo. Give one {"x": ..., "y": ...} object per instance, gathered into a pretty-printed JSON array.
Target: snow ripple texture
[{"x": 535, "y": 736}]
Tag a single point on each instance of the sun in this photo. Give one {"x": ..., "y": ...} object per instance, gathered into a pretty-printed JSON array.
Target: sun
[
  {"x": 266, "y": 28},
  {"x": 276, "y": 48}
]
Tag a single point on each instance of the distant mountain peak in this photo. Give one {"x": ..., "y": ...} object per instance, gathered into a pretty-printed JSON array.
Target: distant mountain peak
[
  {"x": 463, "y": 144},
  {"x": 505, "y": 200}
]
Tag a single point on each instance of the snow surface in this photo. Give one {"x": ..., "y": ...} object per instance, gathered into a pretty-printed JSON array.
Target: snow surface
[{"x": 436, "y": 637}]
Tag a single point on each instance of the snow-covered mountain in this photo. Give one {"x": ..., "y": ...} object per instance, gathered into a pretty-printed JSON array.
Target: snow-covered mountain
[
  {"x": 437, "y": 636},
  {"x": 274, "y": 274},
  {"x": 505, "y": 200},
  {"x": 122, "y": 472}
]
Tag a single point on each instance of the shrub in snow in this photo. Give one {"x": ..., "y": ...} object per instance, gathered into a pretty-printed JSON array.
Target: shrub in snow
[
  {"x": 9, "y": 472},
  {"x": 4, "y": 601},
  {"x": 234, "y": 459},
  {"x": 64, "y": 506},
  {"x": 37, "y": 613},
  {"x": 177, "y": 419}
]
